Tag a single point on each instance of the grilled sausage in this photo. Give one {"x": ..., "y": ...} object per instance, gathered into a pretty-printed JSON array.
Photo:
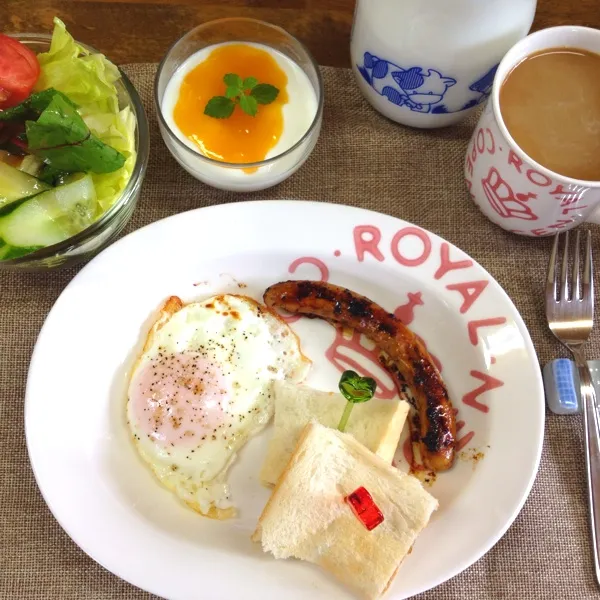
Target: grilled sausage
[{"x": 408, "y": 362}]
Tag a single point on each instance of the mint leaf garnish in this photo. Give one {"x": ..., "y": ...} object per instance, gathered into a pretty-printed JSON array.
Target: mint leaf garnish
[
  {"x": 233, "y": 80},
  {"x": 232, "y": 93},
  {"x": 264, "y": 93},
  {"x": 248, "y": 104},
  {"x": 249, "y": 83},
  {"x": 222, "y": 107},
  {"x": 219, "y": 107}
]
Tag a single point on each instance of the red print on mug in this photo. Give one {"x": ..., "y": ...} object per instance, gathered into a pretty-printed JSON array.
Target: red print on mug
[{"x": 503, "y": 200}]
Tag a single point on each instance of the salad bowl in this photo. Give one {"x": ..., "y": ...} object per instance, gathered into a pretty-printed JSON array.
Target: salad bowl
[{"x": 86, "y": 243}]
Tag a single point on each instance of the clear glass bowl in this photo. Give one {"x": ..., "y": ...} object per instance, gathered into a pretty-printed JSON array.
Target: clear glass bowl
[
  {"x": 86, "y": 243},
  {"x": 231, "y": 176}
]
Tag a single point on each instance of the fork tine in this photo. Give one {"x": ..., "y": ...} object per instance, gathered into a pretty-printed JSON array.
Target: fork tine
[
  {"x": 575, "y": 279},
  {"x": 564, "y": 284},
  {"x": 551, "y": 287},
  {"x": 588, "y": 275}
]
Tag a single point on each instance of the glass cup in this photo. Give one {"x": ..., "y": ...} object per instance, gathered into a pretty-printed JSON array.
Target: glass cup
[
  {"x": 98, "y": 235},
  {"x": 238, "y": 177}
]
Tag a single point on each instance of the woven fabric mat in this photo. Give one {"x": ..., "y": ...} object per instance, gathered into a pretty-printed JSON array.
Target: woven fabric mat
[{"x": 363, "y": 160}]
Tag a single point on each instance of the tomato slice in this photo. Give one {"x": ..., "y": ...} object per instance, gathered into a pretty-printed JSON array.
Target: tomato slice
[{"x": 19, "y": 70}]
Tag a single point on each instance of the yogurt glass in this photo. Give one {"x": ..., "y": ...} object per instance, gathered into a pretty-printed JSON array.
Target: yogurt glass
[{"x": 295, "y": 60}]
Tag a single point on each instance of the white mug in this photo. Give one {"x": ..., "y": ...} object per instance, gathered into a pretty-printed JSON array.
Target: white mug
[
  {"x": 430, "y": 64},
  {"x": 509, "y": 187}
]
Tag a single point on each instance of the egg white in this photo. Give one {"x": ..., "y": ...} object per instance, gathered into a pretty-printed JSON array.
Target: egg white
[{"x": 223, "y": 355}]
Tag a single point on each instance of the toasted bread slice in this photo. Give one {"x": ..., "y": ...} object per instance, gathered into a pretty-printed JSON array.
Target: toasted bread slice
[
  {"x": 376, "y": 424},
  {"x": 307, "y": 516}
]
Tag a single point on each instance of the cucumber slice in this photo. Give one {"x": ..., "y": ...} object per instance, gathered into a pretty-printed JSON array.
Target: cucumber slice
[
  {"x": 8, "y": 252},
  {"x": 52, "y": 216},
  {"x": 32, "y": 165},
  {"x": 16, "y": 185}
]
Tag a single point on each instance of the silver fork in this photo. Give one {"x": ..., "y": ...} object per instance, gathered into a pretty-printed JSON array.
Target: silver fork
[{"x": 570, "y": 314}]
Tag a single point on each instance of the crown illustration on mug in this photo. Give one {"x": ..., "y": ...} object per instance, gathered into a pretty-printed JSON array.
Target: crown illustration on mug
[{"x": 503, "y": 200}]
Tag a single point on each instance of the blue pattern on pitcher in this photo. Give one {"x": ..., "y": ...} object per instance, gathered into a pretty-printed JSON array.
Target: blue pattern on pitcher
[{"x": 419, "y": 89}]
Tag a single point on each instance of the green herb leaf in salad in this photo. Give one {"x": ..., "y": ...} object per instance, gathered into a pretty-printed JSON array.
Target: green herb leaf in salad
[
  {"x": 246, "y": 93},
  {"x": 32, "y": 107},
  {"x": 52, "y": 176},
  {"x": 355, "y": 389},
  {"x": 61, "y": 137},
  {"x": 88, "y": 79}
]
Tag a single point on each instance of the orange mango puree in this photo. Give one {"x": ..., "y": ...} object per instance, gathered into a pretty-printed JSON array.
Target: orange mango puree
[{"x": 240, "y": 138}]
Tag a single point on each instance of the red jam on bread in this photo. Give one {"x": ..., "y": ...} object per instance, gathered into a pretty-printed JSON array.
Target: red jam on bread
[{"x": 364, "y": 507}]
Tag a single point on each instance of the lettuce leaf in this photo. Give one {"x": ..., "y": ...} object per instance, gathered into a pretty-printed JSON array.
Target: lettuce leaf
[
  {"x": 89, "y": 81},
  {"x": 119, "y": 133}
]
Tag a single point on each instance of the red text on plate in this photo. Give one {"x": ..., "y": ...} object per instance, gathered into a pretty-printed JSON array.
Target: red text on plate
[
  {"x": 489, "y": 383},
  {"x": 323, "y": 274}
]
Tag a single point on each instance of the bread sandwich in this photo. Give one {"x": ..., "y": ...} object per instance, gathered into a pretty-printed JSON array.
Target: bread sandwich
[
  {"x": 310, "y": 514},
  {"x": 376, "y": 424}
]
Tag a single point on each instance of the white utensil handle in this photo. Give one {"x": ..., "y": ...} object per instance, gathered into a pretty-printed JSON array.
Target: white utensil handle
[{"x": 591, "y": 421}]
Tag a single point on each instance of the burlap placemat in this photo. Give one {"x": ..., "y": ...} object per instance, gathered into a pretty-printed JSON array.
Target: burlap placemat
[{"x": 363, "y": 160}]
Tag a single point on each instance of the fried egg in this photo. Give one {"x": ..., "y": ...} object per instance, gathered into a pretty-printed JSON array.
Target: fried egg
[{"x": 202, "y": 387}]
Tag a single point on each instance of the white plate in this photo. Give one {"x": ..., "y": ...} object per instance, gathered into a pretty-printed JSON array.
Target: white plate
[{"x": 110, "y": 504}]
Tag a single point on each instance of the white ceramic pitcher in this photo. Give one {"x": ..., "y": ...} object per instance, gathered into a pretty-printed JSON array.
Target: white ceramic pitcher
[{"x": 430, "y": 64}]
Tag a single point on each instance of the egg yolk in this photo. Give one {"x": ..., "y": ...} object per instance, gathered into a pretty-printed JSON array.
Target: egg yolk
[
  {"x": 241, "y": 138},
  {"x": 180, "y": 399}
]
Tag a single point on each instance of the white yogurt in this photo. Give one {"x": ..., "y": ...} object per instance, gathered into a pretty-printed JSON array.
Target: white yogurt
[{"x": 298, "y": 115}]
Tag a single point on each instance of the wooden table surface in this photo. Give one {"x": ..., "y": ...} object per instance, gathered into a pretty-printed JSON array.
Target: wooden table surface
[{"x": 142, "y": 30}]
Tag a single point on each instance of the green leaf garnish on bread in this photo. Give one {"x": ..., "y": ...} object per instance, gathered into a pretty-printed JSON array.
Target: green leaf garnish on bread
[{"x": 356, "y": 390}]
